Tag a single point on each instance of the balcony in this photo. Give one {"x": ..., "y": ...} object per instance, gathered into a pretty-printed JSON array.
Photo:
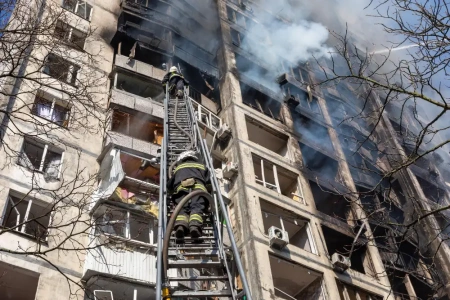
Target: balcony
[
  {"x": 139, "y": 67},
  {"x": 129, "y": 100}
]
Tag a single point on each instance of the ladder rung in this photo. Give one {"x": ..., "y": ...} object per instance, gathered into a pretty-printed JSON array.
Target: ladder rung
[
  {"x": 187, "y": 294},
  {"x": 198, "y": 278},
  {"x": 193, "y": 247},
  {"x": 206, "y": 253},
  {"x": 195, "y": 263}
]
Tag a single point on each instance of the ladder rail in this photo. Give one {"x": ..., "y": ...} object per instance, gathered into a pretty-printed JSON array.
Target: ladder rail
[{"x": 218, "y": 193}]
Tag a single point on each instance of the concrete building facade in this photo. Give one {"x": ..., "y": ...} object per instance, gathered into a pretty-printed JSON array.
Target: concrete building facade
[{"x": 298, "y": 170}]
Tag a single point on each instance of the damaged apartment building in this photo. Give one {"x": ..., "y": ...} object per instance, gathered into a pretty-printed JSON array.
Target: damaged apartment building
[{"x": 303, "y": 172}]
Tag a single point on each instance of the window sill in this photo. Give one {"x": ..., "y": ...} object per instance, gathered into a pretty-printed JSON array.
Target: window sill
[
  {"x": 50, "y": 121},
  {"x": 73, "y": 13},
  {"x": 27, "y": 236},
  {"x": 40, "y": 172}
]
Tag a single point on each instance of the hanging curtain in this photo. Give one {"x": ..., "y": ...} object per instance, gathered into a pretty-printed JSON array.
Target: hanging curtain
[
  {"x": 58, "y": 116},
  {"x": 44, "y": 110},
  {"x": 52, "y": 167}
]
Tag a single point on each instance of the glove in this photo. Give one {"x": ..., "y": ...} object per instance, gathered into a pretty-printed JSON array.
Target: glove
[{"x": 179, "y": 93}]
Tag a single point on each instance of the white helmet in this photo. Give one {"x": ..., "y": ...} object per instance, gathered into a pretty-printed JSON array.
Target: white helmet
[
  {"x": 187, "y": 154},
  {"x": 173, "y": 69}
]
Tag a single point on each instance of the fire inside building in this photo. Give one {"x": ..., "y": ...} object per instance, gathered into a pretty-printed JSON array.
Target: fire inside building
[{"x": 294, "y": 204}]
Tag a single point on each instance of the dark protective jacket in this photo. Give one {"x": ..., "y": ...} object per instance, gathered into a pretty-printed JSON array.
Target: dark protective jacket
[
  {"x": 175, "y": 80},
  {"x": 189, "y": 169}
]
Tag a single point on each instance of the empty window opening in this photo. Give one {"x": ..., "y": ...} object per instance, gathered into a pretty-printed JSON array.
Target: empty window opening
[
  {"x": 40, "y": 157},
  {"x": 322, "y": 164},
  {"x": 329, "y": 202},
  {"x": 206, "y": 117},
  {"x": 132, "y": 166},
  {"x": 293, "y": 281},
  {"x": 266, "y": 137},
  {"x": 113, "y": 289},
  {"x": 348, "y": 292},
  {"x": 27, "y": 216},
  {"x": 312, "y": 132},
  {"x": 61, "y": 69},
  {"x": 306, "y": 101},
  {"x": 126, "y": 44},
  {"x": 361, "y": 169},
  {"x": 297, "y": 227},
  {"x": 80, "y": 8},
  {"x": 261, "y": 102},
  {"x": 255, "y": 74},
  {"x": 137, "y": 126},
  {"x": 18, "y": 283},
  {"x": 138, "y": 85},
  {"x": 122, "y": 223},
  {"x": 52, "y": 109},
  {"x": 236, "y": 37},
  {"x": 73, "y": 37},
  {"x": 444, "y": 226},
  {"x": 431, "y": 191},
  {"x": 275, "y": 178},
  {"x": 200, "y": 82},
  {"x": 340, "y": 243}
]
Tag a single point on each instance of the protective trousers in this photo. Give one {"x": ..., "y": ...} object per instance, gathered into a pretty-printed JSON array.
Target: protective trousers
[
  {"x": 191, "y": 213},
  {"x": 177, "y": 88}
]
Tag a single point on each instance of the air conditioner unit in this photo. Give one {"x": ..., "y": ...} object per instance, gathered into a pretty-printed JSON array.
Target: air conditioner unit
[
  {"x": 340, "y": 262},
  {"x": 224, "y": 132},
  {"x": 231, "y": 169},
  {"x": 103, "y": 295},
  {"x": 278, "y": 238}
]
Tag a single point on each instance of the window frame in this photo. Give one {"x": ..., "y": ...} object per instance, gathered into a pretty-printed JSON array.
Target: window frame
[
  {"x": 24, "y": 222},
  {"x": 127, "y": 216},
  {"x": 46, "y": 147},
  {"x": 53, "y": 103},
  {"x": 75, "y": 8},
  {"x": 68, "y": 34},
  {"x": 72, "y": 70}
]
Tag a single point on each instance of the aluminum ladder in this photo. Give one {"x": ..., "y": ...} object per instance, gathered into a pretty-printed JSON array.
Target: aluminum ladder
[{"x": 207, "y": 270}]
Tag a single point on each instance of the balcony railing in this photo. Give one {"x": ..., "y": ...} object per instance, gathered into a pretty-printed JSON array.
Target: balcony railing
[{"x": 206, "y": 117}]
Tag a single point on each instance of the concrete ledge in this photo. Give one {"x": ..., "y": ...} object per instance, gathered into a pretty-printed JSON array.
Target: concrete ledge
[
  {"x": 139, "y": 67},
  {"x": 126, "y": 142},
  {"x": 144, "y": 105}
]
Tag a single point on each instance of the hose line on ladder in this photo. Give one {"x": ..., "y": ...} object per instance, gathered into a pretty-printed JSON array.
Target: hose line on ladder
[{"x": 171, "y": 224}]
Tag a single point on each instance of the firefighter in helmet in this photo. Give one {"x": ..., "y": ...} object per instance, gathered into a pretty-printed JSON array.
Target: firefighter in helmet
[
  {"x": 189, "y": 175},
  {"x": 176, "y": 82}
]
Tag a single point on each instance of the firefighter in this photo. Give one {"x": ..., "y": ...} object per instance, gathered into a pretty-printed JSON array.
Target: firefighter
[
  {"x": 176, "y": 82},
  {"x": 189, "y": 175}
]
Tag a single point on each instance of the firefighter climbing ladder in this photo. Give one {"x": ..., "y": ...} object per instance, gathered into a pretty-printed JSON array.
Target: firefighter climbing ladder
[{"x": 208, "y": 269}]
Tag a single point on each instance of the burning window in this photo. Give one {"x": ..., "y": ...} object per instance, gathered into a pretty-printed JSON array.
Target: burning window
[
  {"x": 41, "y": 157},
  {"x": 137, "y": 127},
  {"x": 329, "y": 202},
  {"x": 321, "y": 164},
  {"x": 27, "y": 216},
  {"x": 275, "y": 178},
  {"x": 61, "y": 69},
  {"x": 261, "y": 102},
  {"x": 312, "y": 132},
  {"x": 294, "y": 281},
  {"x": 73, "y": 37},
  {"x": 78, "y": 7},
  {"x": 266, "y": 137},
  {"x": 53, "y": 110},
  {"x": 297, "y": 227},
  {"x": 337, "y": 242}
]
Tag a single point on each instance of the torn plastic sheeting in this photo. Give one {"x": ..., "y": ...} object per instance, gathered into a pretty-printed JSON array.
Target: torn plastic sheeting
[{"x": 111, "y": 174}]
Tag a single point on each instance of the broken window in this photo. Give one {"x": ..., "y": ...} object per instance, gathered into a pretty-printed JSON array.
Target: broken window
[
  {"x": 348, "y": 292},
  {"x": 275, "y": 178},
  {"x": 294, "y": 281},
  {"x": 301, "y": 74},
  {"x": 137, "y": 127},
  {"x": 236, "y": 37},
  {"x": 138, "y": 85},
  {"x": 329, "y": 202},
  {"x": 312, "y": 132},
  {"x": 132, "y": 166},
  {"x": 73, "y": 37},
  {"x": 206, "y": 117},
  {"x": 53, "y": 110},
  {"x": 123, "y": 223},
  {"x": 266, "y": 137},
  {"x": 261, "y": 102},
  {"x": 78, "y": 7},
  {"x": 337, "y": 242},
  {"x": 61, "y": 69},
  {"x": 18, "y": 283},
  {"x": 297, "y": 227},
  {"x": 314, "y": 161},
  {"x": 306, "y": 101},
  {"x": 41, "y": 157},
  {"x": 431, "y": 191},
  {"x": 27, "y": 216}
]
